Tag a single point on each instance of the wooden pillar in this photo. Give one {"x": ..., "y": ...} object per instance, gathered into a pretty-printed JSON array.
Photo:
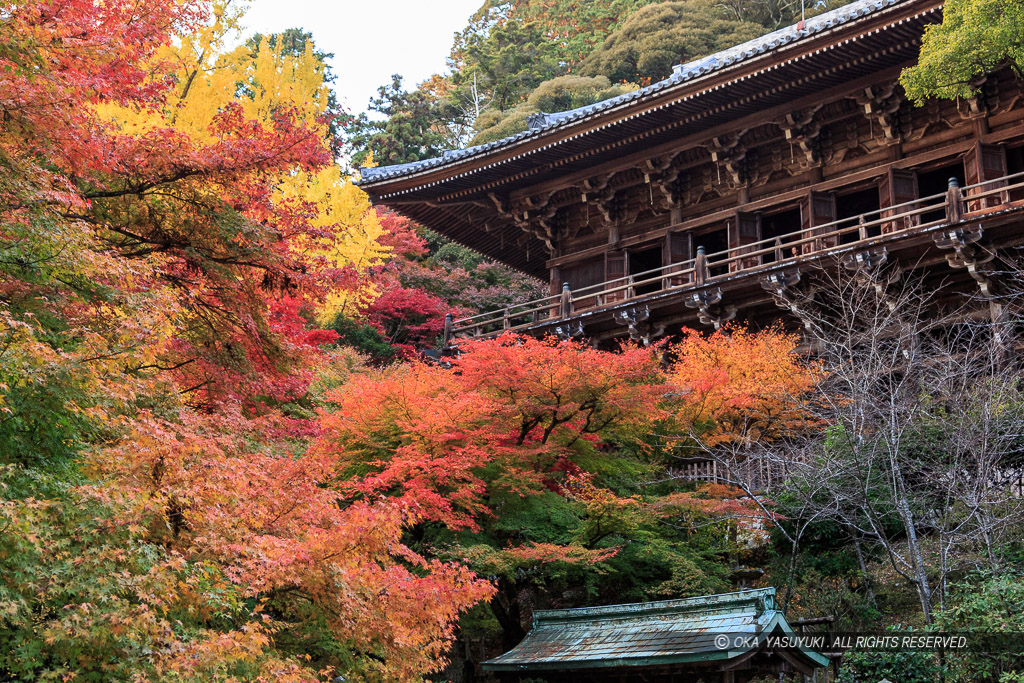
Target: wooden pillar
[
  {"x": 981, "y": 127},
  {"x": 613, "y": 234},
  {"x": 744, "y": 195},
  {"x": 895, "y": 151},
  {"x": 556, "y": 280},
  {"x": 565, "y": 304},
  {"x": 954, "y": 202},
  {"x": 446, "y": 337}
]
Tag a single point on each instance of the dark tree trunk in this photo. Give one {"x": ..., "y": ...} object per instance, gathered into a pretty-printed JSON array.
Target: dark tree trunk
[{"x": 506, "y": 609}]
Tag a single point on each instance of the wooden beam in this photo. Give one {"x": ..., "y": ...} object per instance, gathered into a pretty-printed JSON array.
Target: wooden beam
[
  {"x": 774, "y": 200},
  {"x": 751, "y": 121}
]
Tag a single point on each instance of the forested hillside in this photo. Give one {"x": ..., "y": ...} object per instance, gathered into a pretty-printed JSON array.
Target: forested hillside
[{"x": 224, "y": 457}]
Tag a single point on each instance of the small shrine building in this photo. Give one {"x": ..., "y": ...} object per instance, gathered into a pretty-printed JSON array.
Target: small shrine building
[{"x": 714, "y": 638}]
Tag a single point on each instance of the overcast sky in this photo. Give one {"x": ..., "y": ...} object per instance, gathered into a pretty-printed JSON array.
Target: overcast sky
[{"x": 371, "y": 39}]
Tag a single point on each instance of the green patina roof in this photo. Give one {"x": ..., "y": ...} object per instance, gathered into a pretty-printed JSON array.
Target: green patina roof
[{"x": 650, "y": 634}]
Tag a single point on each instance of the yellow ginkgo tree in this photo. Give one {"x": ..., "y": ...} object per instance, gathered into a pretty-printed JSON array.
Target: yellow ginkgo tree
[{"x": 265, "y": 79}]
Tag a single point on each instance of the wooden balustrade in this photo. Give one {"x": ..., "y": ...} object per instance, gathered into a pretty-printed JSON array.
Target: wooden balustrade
[{"x": 891, "y": 221}]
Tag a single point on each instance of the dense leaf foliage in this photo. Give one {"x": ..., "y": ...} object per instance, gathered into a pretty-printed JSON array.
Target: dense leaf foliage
[
  {"x": 221, "y": 460},
  {"x": 660, "y": 35},
  {"x": 171, "y": 224},
  {"x": 975, "y": 39},
  {"x": 524, "y": 458}
]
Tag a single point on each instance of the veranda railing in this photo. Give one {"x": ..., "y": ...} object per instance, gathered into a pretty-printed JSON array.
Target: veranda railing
[{"x": 953, "y": 206}]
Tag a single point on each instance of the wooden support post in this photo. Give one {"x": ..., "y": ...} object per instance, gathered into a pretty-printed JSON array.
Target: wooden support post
[
  {"x": 613, "y": 235},
  {"x": 700, "y": 267},
  {"x": 565, "y": 304},
  {"x": 446, "y": 337},
  {"x": 954, "y": 202}
]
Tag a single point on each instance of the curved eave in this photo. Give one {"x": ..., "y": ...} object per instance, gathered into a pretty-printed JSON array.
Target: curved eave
[
  {"x": 503, "y": 244},
  {"x": 645, "y": 102}
]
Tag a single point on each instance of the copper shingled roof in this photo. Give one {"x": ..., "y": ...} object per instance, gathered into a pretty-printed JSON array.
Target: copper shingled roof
[{"x": 648, "y": 634}]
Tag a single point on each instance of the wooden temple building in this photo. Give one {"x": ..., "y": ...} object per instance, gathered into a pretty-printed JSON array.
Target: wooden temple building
[
  {"x": 717, "y": 193},
  {"x": 729, "y": 638}
]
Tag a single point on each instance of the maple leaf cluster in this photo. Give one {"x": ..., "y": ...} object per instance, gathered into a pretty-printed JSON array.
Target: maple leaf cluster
[
  {"x": 172, "y": 224},
  {"x": 522, "y": 459},
  {"x": 199, "y": 480},
  {"x": 744, "y": 386}
]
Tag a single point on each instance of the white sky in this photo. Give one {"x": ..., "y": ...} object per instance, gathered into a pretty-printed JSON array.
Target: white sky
[{"x": 371, "y": 39}]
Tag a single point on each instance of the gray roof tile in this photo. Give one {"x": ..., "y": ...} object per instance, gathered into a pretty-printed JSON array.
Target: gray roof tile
[{"x": 542, "y": 122}]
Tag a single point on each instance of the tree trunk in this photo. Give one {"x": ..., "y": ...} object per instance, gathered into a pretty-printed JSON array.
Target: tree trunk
[
  {"x": 920, "y": 575},
  {"x": 506, "y": 609},
  {"x": 864, "y": 569}
]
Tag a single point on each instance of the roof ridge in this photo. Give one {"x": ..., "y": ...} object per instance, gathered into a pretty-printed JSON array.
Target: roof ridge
[
  {"x": 701, "y": 603},
  {"x": 543, "y": 122}
]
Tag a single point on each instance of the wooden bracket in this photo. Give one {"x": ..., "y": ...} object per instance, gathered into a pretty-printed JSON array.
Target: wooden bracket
[
  {"x": 967, "y": 252},
  {"x": 730, "y": 156},
  {"x": 870, "y": 267},
  {"x": 637, "y": 320},
  {"x": 570, "y": 329},
  {"x": 800, "y": 128},
  {"x": 782, "y": 285},
  {"x": 882, "y": 105},
  {"x": 711, "y": 312}
]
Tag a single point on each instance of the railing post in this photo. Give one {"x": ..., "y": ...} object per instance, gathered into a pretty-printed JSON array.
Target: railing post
[
  {"x": 700, "y": 267},
  {"x": 565, "y": 304},
  {"x": 446, "y": 336},
  {"x": 954, "y": 202},
  {"x": 504, "y": 320}
]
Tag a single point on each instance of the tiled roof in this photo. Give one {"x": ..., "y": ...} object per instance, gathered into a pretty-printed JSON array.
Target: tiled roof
[
  {"x": 643, "y": 634},
  {"x": 541, "y": 123}
]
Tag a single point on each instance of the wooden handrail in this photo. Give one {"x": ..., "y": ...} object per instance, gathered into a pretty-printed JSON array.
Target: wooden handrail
[{"x": 623, "y": 289}]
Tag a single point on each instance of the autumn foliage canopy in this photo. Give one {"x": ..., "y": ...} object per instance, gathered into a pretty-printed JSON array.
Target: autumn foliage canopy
[{"x": 198, "y": 482}]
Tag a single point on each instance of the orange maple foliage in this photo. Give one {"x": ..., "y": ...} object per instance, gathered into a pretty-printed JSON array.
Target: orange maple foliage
[
  {"x": 721, "y": 502},
  {"x": 737, "y": 385},
  {"x": 516, "y": 406},
  {"x": 148, "y": 265},
  {"x": 281, "y": 534},
  {"x": 553, "y": 393}
]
